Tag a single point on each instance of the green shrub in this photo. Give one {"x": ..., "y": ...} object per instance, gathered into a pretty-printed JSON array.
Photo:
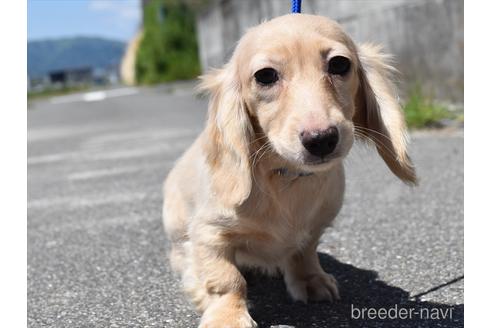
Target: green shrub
[
  {"x": 53, "y": 92},
  {"x": 168, "y": 50},
  {"x": 421, "y": 111}
]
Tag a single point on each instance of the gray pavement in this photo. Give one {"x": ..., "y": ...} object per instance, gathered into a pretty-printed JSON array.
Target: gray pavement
[{"x": 97, "y": 251}]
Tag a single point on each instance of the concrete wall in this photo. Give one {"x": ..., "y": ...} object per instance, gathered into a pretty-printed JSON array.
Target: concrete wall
[{"x": 426, "y": 36}]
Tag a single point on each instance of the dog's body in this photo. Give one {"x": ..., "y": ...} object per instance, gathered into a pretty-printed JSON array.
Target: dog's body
[{"x": 265, "y": 178}]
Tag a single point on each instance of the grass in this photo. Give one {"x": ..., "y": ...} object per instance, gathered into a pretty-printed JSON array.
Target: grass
[
  {"x": 421, "y": 111},
  {"x": 52, "y": 92},
  {"x": 169, "y": 48}
]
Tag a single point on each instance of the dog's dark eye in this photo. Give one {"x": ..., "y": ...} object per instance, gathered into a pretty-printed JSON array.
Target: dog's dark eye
[
  {"x": 266, "y": 76},
  {"x": 339, "y": 65}
]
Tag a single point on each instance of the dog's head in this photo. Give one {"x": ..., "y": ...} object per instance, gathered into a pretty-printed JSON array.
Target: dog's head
[{"x": 300, "y": 85}]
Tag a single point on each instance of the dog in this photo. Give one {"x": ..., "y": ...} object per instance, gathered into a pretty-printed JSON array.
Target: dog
[{"x": 264, "y": 179}]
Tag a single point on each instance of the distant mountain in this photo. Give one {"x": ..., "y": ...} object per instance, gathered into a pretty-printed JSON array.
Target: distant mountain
[{"x": 44, "y": 56}]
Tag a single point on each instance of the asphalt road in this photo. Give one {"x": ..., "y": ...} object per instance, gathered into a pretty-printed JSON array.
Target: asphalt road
[{"x": 96, "y": 247}]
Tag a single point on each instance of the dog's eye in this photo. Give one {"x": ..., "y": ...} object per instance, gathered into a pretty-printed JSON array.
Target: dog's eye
[
  {"x": 339, "y": 65},
  {"x": 266, "y": 76}
]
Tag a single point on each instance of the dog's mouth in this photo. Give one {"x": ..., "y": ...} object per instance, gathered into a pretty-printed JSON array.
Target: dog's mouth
[
  {"x": 311, "y": 160},
  {"x": 312, "y": 163},
  {"x": 308, "y": 162}
]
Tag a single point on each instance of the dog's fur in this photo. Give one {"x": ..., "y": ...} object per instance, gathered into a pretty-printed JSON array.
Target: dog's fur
[{"x": 226, "y": 206}]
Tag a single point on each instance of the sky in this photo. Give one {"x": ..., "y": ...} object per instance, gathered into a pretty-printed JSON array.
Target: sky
[{"x": 113, "y": 19}]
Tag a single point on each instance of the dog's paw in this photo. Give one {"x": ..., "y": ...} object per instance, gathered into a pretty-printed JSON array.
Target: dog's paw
[
  {"x": 224, "y": 314},
  {"x": 226, "y": 319},
  {"x": 318, "y": 287},
  {"x": 323, "y": 287}
]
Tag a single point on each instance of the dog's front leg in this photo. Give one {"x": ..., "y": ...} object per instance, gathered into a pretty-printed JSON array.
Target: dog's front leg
[
  {"x": 305, "y": 278},
  {"x": 223, "y": 286}
]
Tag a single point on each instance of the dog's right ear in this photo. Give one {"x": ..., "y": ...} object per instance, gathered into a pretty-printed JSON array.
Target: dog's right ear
[{"x": 228, "y": 136}]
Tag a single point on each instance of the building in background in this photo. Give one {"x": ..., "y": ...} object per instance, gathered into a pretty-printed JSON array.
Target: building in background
[
  {"x": 71, "y": 77},
  {"x": 425, "y": 36},
  {"x": 54, "y": 64}
]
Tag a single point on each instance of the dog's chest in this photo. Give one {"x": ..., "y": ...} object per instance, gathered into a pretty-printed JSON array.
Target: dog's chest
[
  {"x": 267, "y": 250},
  {"x": 276, "y": 233},
  {"x": 277, "y": 225}
]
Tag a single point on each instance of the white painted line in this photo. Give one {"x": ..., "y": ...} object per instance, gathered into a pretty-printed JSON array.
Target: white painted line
[
  {"x": 95, "y": 174},
  {"x": 50, "y": 158},
  {"x": 51, "y": 132},
  {"x": 121, "y": 92},
  {"x": 94, "y": 96},
  {"x": 66, "y": 99},
  {"x": 104, "y": 154},
  {"x": 85, "y": 201}
]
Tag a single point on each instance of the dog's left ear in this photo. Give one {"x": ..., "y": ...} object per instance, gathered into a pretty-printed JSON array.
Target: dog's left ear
[
  {"x": 378, "y": 115},
  {"x": 229, "y": 133}
]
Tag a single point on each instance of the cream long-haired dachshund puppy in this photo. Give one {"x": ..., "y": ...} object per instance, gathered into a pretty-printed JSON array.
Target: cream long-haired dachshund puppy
[{"x": 265, "y": 178}]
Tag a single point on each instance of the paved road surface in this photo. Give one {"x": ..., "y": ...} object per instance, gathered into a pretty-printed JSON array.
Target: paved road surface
[{"x": 96, "y": 248}]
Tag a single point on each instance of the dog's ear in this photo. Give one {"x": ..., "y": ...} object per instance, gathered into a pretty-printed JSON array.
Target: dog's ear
[
  {"x": 378, "y": 115},
  {"x": 228, "y": 136}
]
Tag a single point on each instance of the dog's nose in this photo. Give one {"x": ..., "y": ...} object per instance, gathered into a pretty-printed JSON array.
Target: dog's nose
[{"x": 320, "y": 143}]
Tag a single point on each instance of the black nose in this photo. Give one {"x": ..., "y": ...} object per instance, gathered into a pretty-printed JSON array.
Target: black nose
[{"x": 320, "y": 143}]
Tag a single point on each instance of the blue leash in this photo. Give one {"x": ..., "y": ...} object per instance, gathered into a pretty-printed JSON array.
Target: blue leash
[{"x": 296, "y": 6}]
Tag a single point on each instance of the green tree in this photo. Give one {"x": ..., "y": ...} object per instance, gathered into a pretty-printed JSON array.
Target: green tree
[{"x": 168, "y": 50}]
